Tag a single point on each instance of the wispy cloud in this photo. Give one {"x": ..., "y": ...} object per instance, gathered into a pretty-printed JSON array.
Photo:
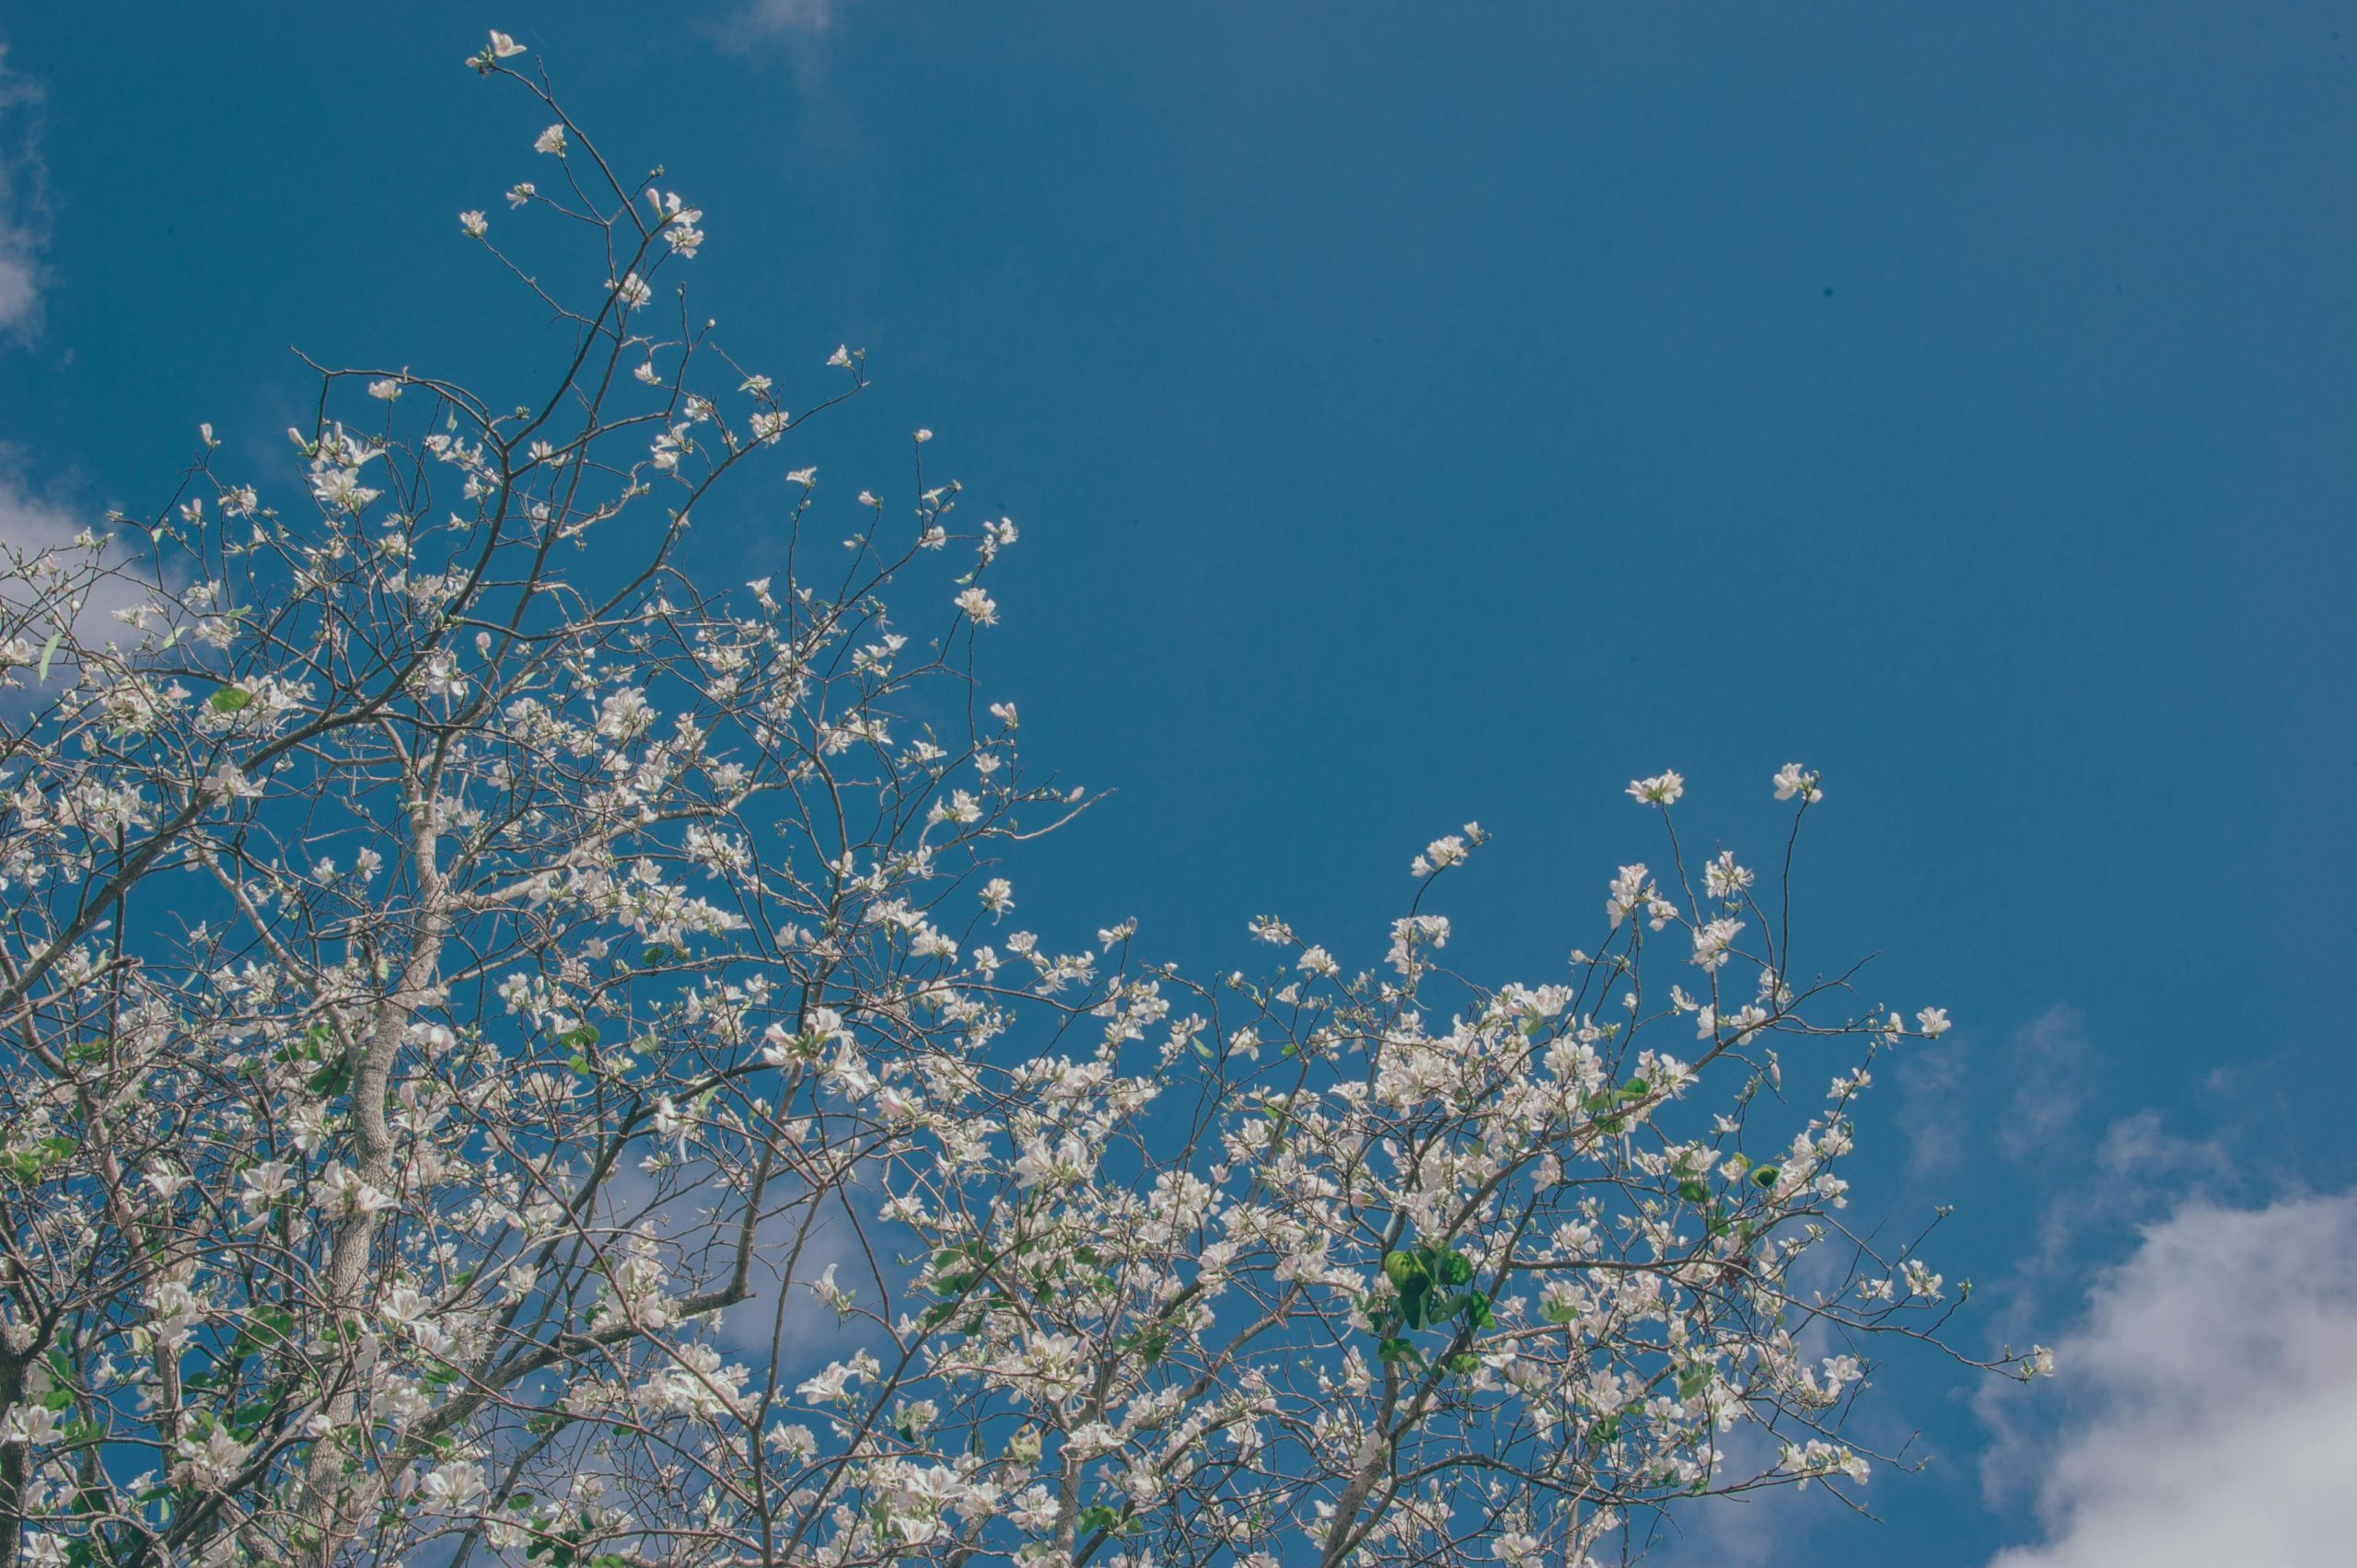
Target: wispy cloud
[
  {"x": 24, "y": 211},
  {"x": 2051, "y": 1064},
  {"x": 804, "y": 16},
  {"x": 2140, "y": 1149},
  {"x": 2044, "y": 1075},
  {"x": 803, "y": 32},
  {"x": 2211, "y": 1397},
  {"x": 1934, "y": 1114},
  {"x": 1755, "y": 1529}
]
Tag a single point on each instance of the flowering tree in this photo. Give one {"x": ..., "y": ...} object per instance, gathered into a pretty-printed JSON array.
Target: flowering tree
[{"x": 508, "y": 1054}]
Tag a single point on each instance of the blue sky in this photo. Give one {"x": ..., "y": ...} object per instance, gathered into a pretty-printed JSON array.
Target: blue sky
[{"x": 1421, "y": 416}]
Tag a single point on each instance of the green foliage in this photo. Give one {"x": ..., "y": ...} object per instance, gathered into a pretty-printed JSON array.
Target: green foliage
[{"x": 1429, "y": 1280}]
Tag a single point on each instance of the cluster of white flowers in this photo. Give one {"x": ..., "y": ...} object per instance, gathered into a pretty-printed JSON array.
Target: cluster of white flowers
[
  {"x": 1662, "y": 789},
  {"x": 1451, "y": 850}
]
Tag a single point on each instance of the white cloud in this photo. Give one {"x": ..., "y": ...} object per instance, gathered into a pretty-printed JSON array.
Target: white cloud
[
  {"x": 28, "y": 523},
  {"x": 32, "y": 524},
  {"x": 32, "y": 604},
  {"x": 2212, "y": 1399},
  {"x": 23, "y": 213}
]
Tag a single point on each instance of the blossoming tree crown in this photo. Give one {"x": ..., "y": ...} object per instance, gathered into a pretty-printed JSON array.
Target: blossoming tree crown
[{"x": 515, "y": 1052}]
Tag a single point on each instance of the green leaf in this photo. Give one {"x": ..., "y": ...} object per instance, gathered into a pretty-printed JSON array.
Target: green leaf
[
  {"x": 269, "y": 1326},
  {"x": 1765, "y": 1178},
  {"x": 231, "y": 700},
  {"x": 28, "y": 1163},
  {"x": 1694, "y": 1192},
  {"x": 49, "y": 652}
]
